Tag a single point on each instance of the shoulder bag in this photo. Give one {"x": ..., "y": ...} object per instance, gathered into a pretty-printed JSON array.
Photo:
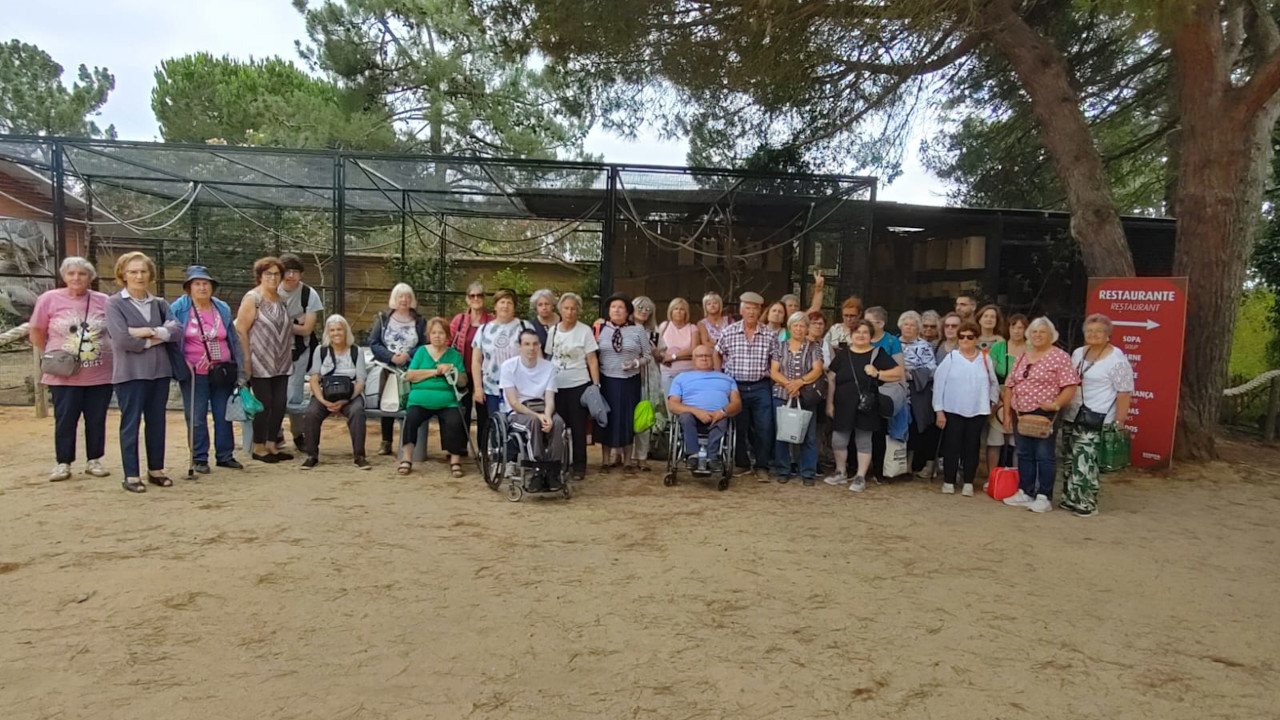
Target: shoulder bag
[
  {"x": 61, "y": 363},
  {"x": 1087, "y": 419},
  {"x": 336, "y": 387},
  {"x": 221, "y": 374}
]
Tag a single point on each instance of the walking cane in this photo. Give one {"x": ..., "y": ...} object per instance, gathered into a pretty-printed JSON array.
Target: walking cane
[{"x": 452, "y": 377}]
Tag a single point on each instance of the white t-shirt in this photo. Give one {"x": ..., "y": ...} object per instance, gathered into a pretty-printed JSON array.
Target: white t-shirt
[
  {"x": 530, "y": 383},
  {"x": 568, "y": 350},
  {"x": 293, "y": 302},
  {"x": 1101, "y": 382}
]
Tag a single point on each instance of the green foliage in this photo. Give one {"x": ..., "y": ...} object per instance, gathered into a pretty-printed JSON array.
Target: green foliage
[
  {"x": 423, "y": 273},
  {"x": 1254, "y": 343},
  {"x": 443, "y": 79},
  {"x": 515, "y": 279},
  {"x": 263, "y": 102},
  {"x": 990, "y": 152},
  {"x": 34, "y": 101}
]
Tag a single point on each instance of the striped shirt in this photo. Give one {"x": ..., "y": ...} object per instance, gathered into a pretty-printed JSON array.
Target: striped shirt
[
  {"x": 746, "y": 360},
  {"x": 270, "y": 339},
  {"x": 635, "y": 345},
  {"x": 794, "y": 365}
]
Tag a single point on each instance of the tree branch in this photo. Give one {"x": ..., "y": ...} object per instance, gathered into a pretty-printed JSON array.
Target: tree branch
[{"x": 1260, "y": 89}]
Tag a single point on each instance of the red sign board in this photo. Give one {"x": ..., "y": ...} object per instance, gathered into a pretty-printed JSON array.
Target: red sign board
[{"x": 1150, "y": 316}]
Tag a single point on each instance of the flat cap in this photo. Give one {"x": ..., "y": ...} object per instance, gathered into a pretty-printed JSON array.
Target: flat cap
[{"x": 751, "y": 297}]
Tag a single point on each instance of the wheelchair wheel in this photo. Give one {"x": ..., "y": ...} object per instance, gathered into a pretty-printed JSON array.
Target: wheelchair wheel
[
  {"x": 669, "y": 479},
  {"x": 514, "y": 491},
  {"x": 494, "y": 455},
  {"x": 723, "y": 484}
]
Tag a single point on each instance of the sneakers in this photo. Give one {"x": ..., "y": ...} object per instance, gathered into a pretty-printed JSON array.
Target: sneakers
[
  {"x": 967, "y": 490},
  {"x": 808, "y": 482},
  {"x": 762, "y": 475},
  {"x": 858, "y": 484},
  {"x": 385, "y": 449},
  {"x": 202, "y": 467},
  {"x": 94, "y": 468},
  {"x": 1084, "y": 513},
  {"x": 310, "y": 462},
  {"x": 513, "y": 469},
  {"x": 232, "y": 463},
  {"x": 1018, "y": 499},
  {"x": 835, "y": 479},
  {"x": 1040, "y": 505},
  {"x": 926, "y": 472},
  {"x": 61, "y": 472},
  {"x": 361, "y": 463},
  {"x": 948, "y": 489}
]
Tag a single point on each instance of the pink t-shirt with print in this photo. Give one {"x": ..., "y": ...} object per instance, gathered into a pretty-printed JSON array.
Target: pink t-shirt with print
[
  {"x": 215, "y": 335},
  {"x": 62, "y": 317},
  {"x": 1035, "y": 383}
]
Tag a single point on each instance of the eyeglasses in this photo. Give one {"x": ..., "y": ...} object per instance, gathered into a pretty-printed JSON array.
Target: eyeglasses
[
  {"x": 952, "y": 326},
  {"x": 476, "y": 295},
  {"x": 271, "y": 273},
  {"x": 932, "y": 326},
  {"x": 967, "y": 336}
]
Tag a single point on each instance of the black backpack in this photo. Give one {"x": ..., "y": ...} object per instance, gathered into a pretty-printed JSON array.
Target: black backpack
[{"x": 305, "y": 344}]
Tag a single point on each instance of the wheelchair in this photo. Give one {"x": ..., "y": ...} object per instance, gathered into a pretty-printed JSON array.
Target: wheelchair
[
  {"x": 506, "y": 460},
  {"x": 677, "y": 458}
]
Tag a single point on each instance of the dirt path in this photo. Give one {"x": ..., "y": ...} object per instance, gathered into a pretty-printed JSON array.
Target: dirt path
[{"x": 337, "y": 594}]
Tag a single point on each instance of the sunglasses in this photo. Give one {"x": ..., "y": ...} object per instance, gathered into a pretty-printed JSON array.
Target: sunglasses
[
  {"x": 1026, "y": 370},
  {"x": 930, "y": 326},
  {"x": 967, "y": 336},
  {"x": 475, "y": 295}
]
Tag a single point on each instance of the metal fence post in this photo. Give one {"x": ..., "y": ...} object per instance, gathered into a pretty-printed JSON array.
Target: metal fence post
[
  {"x": 607, "y": 238},
  {"x": 59, "y": 209},
  {"x": 1273, "y": 409},
  {"x": 340, "y": 232}
]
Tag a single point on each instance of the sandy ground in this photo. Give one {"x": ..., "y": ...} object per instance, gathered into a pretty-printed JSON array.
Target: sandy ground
[{"x": 275, "y": 593}]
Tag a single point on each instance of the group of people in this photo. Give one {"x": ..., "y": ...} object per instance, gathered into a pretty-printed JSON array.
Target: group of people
[{"x": 945, "y": 387}]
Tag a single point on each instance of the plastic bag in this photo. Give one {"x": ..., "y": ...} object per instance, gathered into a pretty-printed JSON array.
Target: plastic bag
[
  {"x": 792, "y": 422},
  {"x": 895, "y": 458},
  {"x": 242, "y": 405}
]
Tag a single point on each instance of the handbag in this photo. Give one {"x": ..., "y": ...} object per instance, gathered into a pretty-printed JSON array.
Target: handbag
[
  {"x": 1087, "y": 419},
  {"x": 895, "y": 458},
  {"x": 792, "y": 422},
  {"x": 61, "y": 363},
  {"x": 394, "y": 390},
  {"x": 1031, "y": 425},
  {"x": 242, "y": 406},
  {"x": 335, "y": 387},
  {"x": 1003, "y": 480},
  {"x": 1114, "y": 449},
  {"x": 221, "y": 374},
  {"x": 813, "y": 395}
]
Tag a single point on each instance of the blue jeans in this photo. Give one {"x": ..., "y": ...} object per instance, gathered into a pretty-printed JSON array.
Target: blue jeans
[
  {"x": 1036, "y": 465},
  {"x": 756, "y": 420},
  {"x": 808, "y": 449},
  {"x": 208, "y": 398},
  {"x": 689, "y": 427},
  {"x": 142, "y": 400}
]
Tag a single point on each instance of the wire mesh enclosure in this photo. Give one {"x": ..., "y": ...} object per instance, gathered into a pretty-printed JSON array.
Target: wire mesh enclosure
[{"x": 362, "y": 222}]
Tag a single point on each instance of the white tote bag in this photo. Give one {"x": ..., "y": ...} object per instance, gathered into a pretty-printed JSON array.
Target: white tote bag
[
  {"x": 792, "y": 421},
  {"x": 895, "y": 458},
  {"x": 389, "y": 402}
]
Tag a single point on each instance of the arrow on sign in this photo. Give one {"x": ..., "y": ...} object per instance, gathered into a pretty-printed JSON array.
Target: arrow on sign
[{"x": 1149, "y": 324}]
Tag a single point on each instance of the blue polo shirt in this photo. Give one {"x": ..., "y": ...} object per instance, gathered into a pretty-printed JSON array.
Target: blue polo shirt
[{"x": 703, "y": 389}]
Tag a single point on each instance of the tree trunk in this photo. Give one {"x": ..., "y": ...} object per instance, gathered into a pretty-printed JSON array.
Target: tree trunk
[
  {"x": 1044, "y": 76},
  {"x": 1225, "y": 157}
]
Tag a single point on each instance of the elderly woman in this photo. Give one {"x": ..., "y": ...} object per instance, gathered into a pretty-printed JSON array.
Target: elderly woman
[
  {"x": 948, "y": 342},
  {"x": 337, "y": 388},
  {"x": 462, "y": 330},
  {"x": 650, "y": 381},
  {"x": 920, "y": 364},
  {"x": 572, "y": 348},
  {"x": 395, "y": 336},
  {"x": 266, "y": 337},
  {"x": 495, "y": 342},
  {"x": 435, "y": 370},
  {"x": 1043, "y": 382},
  {"x": 796, "y": 363},
  {"x": 853, "y": 389},
  {"x": 965, "y": 391},
  {"x": 69, "y": 325},
  {"x": 929, "y": 327},
  {"x": 850, "y": 315},
  {"x": 791, "y": 302},
  {"x": 624, "y": 354},
  {"x": 676, "y": 340},
  {"x": 140, "y": 325},
  {"x": 713, "y": 320},
  {"x": 542, "y": 305},
  {"x": 1106, "y": 388},
  {"x": 216, "y": 364}
]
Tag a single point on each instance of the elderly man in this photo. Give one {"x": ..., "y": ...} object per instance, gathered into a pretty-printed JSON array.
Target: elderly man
[
  {"x": 745, "y": 349},
  {"x": 703, "y": 399}
]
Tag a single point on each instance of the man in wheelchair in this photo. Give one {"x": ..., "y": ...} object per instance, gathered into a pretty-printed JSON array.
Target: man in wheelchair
[
  {"x": 529, "y": 388},
  {"x": 703, "y": 400}
]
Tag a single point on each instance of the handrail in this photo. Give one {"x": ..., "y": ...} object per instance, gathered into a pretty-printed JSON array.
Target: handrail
[
  {"x": 1252, "y": 384},
  {"x": 15, "y": 334}
]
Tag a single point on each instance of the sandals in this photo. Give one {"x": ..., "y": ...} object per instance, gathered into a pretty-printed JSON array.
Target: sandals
[
  {"x": 159, "y": 481},
  {"x": 133, "y": 487},
  {"x": 404, "y": 468},
  {"x": 455, "y": 469}
]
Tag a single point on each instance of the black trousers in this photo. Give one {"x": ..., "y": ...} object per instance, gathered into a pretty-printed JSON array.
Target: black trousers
[
  {"x": 70, "y": 402},
  {"x": 923, "y": 445},
  {"x": 569, "y": 408},
  {"x": 479, "y": 411},
  {"x": 453, "y": 434},
  {"x": 962, "y": 438},
  {"x": 273, "y": 393}
]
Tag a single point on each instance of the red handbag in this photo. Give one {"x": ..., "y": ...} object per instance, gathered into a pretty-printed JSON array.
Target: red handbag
[{"x": 1003, "y": 481}]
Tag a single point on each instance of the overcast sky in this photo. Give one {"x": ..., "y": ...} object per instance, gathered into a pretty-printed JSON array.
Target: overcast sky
[{"x": 131, "y": 37}]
